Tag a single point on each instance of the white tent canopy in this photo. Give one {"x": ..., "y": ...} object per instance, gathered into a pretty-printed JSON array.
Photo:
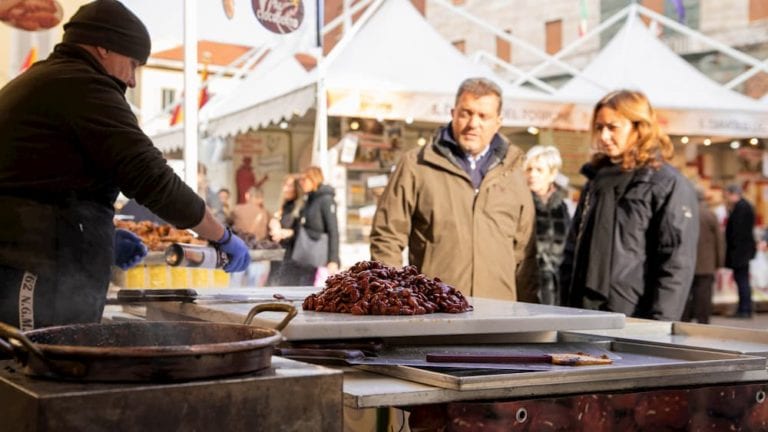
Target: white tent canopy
[
  {"x": 688, "y": 102},
  {"x": 277, "y": 89},
  {"x": 379, "y": 72}
]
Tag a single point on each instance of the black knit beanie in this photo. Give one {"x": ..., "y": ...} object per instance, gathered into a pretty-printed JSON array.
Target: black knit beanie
[{"x": 110, "y": 25}]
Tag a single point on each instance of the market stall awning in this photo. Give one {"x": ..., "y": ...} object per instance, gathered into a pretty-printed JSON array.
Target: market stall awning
[
  {"x": 409, "y": 73},
  {"x": 688, "y": 102},
  {"x": 170, "y": 139},
  {"x": 279, "y": 88}
]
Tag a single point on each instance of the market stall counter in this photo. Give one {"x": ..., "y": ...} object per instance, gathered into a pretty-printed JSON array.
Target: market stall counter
[
  {"x": 392, "y": 370},
  {"x": 249, "y": 402}
]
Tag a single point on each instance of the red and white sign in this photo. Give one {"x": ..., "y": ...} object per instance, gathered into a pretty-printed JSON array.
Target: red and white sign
[{"x": 279, "y": 16}]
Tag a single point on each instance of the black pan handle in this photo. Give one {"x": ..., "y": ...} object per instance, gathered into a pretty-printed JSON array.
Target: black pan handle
[
  {"x": 289, "y": 309},
  {"x": 9, "y": 334},
  {"x": 125, "y": 296}
]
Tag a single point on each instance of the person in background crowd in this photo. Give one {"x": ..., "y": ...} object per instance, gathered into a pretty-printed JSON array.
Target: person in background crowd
[
  {"x": 710, "y": 255},
  {"x": 281, "y": 229},
  {"x": 70, "y": 143},
  {"x": 740, "y": 245},
  {"x": 281, "y": 225},
  {"x": 204, "y": 189},
  {"x": 246, "y": 179},
  {"x": 542, "y": 165},
  {"x": 632, "y": 244},
  {"x": 251, "y": 220},
  {"x": 224, "y": 211},
  {"x": 317, "y": 216},
  {"x": 461, "y": 205},
  {"x": 251, "y": 217}
]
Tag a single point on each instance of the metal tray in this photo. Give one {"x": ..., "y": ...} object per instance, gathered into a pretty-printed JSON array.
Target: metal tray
[
  {"x": 692, "y": 335},
  {"x": 158, "y": 258},
  {"x": 633, "y": 361}
]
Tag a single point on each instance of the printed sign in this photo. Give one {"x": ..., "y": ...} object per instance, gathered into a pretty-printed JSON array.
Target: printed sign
[{"x": 279, "y": 16}]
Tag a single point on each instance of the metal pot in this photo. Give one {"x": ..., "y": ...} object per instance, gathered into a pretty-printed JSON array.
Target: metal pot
[{"x": 146, "y": 350}]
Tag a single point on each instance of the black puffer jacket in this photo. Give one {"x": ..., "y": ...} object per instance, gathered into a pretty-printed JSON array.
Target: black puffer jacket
[
  {"x": 319, "y": 216},
  {"x": 552, "y": 222},
  {"x": 632, "y": 243}
]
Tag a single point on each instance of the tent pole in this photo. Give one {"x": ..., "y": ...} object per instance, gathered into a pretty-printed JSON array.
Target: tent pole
[
  {"x": 723, "y": 48},
  {"x": 572, "y": 47},
  {"x": 506, "y": 36},
  {"x": 480, "y": 55},
  {"x": 744, "y": 76},
  {"x": 320, "y": 141},
  {"x": 190, "y": 94}
]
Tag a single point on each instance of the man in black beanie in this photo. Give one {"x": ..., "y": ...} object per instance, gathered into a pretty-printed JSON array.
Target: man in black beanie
[{"x": 68, "y": 144}]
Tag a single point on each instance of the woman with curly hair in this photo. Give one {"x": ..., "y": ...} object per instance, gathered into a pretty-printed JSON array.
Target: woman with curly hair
[{"x": 632, "y": 243}]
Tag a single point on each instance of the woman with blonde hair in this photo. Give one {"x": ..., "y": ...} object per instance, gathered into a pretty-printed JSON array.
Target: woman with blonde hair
[
  {"x": 281, "y": 229},
  {"x": 632, "y": 244},
  {"x": 315, "y": 241}
]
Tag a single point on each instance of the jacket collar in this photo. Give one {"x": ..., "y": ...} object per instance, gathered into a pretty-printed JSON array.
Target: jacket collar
[
  {"x": 444, "y": 148},
  {"x": 73, "y": 51}
]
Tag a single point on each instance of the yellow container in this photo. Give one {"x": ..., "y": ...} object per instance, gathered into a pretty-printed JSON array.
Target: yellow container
[
  {"x": 135, "y": 277},
  {"x": 179, "y": 277},
  {"x": 201, "y": 278},
  {"x": 220, "y": 278},
  {"x": 158, "y": 276}
]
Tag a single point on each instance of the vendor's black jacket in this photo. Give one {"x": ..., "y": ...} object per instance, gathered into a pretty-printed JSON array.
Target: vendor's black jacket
[
  {"x": 319, "y": 216},
  {"x": 632, "y": 243},
  {"x": 68, "y": 137}
]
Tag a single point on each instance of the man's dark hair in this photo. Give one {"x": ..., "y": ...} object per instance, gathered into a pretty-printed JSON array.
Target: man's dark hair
[{"x": 479, "y": 87}]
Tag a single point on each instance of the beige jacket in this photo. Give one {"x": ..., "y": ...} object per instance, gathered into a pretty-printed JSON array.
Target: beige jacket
[{"x": 481, "y": 244}]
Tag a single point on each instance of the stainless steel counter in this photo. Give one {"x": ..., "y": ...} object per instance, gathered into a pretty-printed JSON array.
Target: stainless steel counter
[
  {"x": 488, "y": 317},
  {"x": 289, "y": 396}
]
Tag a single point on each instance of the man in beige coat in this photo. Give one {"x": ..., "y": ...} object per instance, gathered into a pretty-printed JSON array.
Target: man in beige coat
[{"x": 461, "y": 205}]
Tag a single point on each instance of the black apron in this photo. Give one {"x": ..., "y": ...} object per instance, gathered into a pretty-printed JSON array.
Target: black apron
[{"x": 55, "y": 257}]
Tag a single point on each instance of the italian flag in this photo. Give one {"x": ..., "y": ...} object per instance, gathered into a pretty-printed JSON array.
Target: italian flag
[
  {"x": 29, "y": 59},
  {"x": 177, "y": 115},
  {"x": 583, "y": 16}
]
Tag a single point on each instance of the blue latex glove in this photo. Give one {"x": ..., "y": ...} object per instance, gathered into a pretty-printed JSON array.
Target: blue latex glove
[
  {"x": 234, "y": 246},
  {"x": 129, "y": 250}
]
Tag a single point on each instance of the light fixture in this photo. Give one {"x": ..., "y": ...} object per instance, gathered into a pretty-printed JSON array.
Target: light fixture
[
  {"x": 753, "y": 141},
  {"x": 283, "y": 124},
  {"x": 354, "y": 125},
  {"x": 684, "y": 140},
  {"x": 409, "y": 120},
  {"x": 735, "y": 144},
  {"x": 533, "y": 130},
  {"x": 707, "y": 142},
  {"x": 421, "y": 141}
]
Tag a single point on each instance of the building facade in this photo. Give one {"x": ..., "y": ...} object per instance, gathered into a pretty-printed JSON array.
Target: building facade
[{"x": 740, "y": 24}]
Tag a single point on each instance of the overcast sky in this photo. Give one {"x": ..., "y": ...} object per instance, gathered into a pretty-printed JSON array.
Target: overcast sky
[{"x": 164, "y": 20}]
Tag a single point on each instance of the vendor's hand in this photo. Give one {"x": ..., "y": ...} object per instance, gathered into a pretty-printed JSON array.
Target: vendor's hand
[
  {"x": 235, "y": 247},
  {"x": 129, "y": 250}
]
